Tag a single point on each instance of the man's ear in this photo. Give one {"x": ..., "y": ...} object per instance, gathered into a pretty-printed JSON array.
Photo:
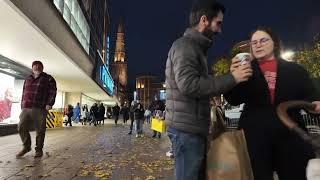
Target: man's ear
[{"x": 204, "y": 20}]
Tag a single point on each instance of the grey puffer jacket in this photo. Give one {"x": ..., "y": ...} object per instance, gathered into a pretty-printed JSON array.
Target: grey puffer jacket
[{"x": 189, "y": 86}]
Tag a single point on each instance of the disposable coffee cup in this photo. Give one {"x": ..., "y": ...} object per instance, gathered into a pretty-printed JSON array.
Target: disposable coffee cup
[{"x": 244, "y": 58}]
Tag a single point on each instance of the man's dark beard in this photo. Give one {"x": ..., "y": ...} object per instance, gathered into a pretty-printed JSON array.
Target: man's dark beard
[{"x": 209, "y": 34}]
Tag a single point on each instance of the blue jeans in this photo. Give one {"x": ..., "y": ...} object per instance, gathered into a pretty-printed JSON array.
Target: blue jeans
[{"x": 189, "y": 153}]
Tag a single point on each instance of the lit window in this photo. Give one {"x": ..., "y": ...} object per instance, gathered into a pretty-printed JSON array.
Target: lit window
[{"x": 73, "y": 15}]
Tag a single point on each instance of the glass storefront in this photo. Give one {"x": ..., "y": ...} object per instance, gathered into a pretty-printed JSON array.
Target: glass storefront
[
  {"x": 87, "y": 100},
  {"x": 73, "y": 15},
  {"x": 10, "y": 98}
]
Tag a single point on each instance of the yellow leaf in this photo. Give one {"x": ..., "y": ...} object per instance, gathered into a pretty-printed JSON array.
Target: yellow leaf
[
  {"x": 150, "y": 178},
  {"x": 84, "y": 173}
]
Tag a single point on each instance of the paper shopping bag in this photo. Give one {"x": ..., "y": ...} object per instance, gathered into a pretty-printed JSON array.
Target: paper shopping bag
[{"x": 227, "y": 155}]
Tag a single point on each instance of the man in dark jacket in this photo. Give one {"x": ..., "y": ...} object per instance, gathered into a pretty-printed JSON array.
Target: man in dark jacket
[
  {"x": 101, "y": 112},
  {"x": 116, "y": 112},
  {"x": 69, "y": 115},
  {"x": 125, "y": 112},
  {"x": 38, "y": 97},
  {"x": 138, "y": 117},
  {"x": 131, "y": 113},
  {"x": 189, "y": 86},
  {"x": 94, "y": 114}
]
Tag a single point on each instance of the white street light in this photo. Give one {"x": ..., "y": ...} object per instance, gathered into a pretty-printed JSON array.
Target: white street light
[{"x": 287, "y": 55}]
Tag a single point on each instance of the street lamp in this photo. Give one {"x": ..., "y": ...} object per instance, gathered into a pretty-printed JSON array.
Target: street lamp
[{"x": 287, "y": 55}]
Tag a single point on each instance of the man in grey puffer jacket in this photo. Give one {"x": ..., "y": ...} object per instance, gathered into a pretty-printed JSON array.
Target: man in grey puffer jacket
[{"x": 189, "y": 86}]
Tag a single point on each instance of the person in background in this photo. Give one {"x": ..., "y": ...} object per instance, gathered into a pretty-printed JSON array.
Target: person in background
[
  {"x": 132, "y": 108},
  {"x": 86, "y": 114},
  {"x": 101, "y": 112},
  {"x": 116, "y": 113},
  {"x": 94, "y": 114},
  {"x": 38, "y": 97},
  {"x": 109, "y": 112},
  {"x": 69, "y": 115},
  {"x": 77, "y": 113},
  {"x": 148, "y": 115},
  {"x": 125, "y": 112},
  {"x": 157, "y": 107},
  {"x": 138, "y": 117}
]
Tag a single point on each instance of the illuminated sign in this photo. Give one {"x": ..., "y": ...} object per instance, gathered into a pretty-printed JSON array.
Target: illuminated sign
[
  {"x": 108, "y": 51},
  {"x": 106, "y": 79}
]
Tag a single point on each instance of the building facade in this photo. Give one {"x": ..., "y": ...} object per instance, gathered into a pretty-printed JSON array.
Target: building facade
[
  {"x": 73, "y": 47},
  {"x": 148, "y": 88},
  {"x": 119, "y": 66}
]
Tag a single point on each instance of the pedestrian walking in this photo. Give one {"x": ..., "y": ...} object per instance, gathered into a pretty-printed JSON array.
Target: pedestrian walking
[
  {"x": 131, "y": 113},
  {"x": 147, "y": 116},
  {"x": 86, "y": 114},
  {"x": 77, "y": 113},
  {"x": 70, "y": 113},
  {"x": 94, "y": 114},
  {"x": 125, "y": 113},
  {"x": 189, "y": 86},
  {"x": 138, "y": 117},
  {"x": 271, "y": 146},
  {"x": 101, "y": 112},
  {"x": 38, "y": 97},
  {"x": 116, "y": 113},
  {"x": 109, "y": 112},
  {"x": 157, "y": 107}
]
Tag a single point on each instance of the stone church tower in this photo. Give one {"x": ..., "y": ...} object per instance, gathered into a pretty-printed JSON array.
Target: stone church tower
[{"x": 119, "y": 64}]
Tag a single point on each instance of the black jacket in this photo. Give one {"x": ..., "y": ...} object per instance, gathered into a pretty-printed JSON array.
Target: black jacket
[
  {"x": 70, "y": 111},
  {"x": 94, "y": 111},
  {"x": 101, "y": 112},
  {"x": 292, "y": 83},
  {"x": 139, "y": 112},
  {"x": 125, "y": 112},
  {"x": 116, "y": 110}
]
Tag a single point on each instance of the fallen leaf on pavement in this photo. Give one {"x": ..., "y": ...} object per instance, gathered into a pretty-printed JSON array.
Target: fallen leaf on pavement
[
  {"x": 84, "y": 173},
  {"x": 150, "y": 178}
]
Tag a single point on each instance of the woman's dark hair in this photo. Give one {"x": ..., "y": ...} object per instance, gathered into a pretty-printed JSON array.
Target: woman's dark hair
[
  {"x": 208, "y": 8},
  {"x": 274, "y": 37}
]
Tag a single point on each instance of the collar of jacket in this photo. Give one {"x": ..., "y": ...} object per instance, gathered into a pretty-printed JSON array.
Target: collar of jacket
[
  {"x": 204, "y": 41},
  {"x": 40, "y": 75}
]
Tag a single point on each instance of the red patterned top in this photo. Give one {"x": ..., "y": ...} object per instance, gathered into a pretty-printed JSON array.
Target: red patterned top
[{"x": 269, "y": 70}]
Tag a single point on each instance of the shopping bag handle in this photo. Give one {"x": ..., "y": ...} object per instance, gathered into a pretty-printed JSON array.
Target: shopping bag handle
[
  {"x": 289, "y": 123},
  {"x": 219, "y": 127},
  {"x": 283, "y": 108}
]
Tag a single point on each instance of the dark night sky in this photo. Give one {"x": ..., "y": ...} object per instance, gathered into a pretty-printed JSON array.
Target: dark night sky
[{"x": 151, "y": 27}]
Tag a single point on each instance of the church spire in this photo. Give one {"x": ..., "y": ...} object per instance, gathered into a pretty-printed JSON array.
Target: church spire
[
  {"x": 120, "y": 44},
  {"x": 120, "y": 27}
]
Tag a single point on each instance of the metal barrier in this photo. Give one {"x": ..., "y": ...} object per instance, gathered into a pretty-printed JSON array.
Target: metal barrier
[{"x": 54, "y": 119}]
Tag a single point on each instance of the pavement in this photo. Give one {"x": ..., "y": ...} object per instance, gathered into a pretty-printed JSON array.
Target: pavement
[{"x": 88, "y": 152}]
